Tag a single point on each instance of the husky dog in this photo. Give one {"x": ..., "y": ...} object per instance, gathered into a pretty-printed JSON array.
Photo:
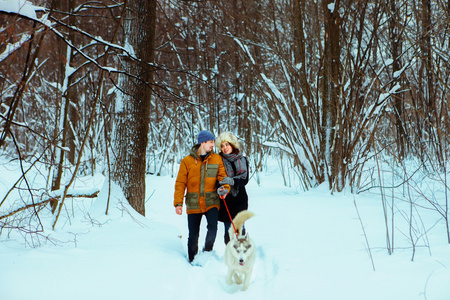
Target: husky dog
[{"x": 240, "y": 252}]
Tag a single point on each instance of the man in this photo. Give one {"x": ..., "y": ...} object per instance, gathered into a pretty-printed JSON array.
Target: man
[{"x": 199, "y": 174}]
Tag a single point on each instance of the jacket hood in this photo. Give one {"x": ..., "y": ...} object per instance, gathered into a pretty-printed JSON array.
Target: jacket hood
[
  {"x": 193, "y": 151},
  {"x": 194, "y": 154}
]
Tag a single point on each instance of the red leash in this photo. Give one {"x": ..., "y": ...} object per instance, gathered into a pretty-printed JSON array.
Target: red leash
[{"x": 229, "y": 215}]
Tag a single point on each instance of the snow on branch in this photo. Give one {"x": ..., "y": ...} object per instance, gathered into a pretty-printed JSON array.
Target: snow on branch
[
  {"x": 27, "y": 10},
  {"x": 20, "y": 7},
  {"x": 10, "y": 48},
  {"x": 24, "y": 9},
  {"x": 245, "y": 49}
]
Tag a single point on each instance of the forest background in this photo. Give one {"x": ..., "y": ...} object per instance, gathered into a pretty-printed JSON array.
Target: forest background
[{"x": 335, "y": 91}]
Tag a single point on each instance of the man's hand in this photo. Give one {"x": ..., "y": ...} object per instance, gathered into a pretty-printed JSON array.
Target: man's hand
[{"x": 179, "y": 210}]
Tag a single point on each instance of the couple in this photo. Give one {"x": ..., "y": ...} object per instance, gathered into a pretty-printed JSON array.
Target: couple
[{"x": 205, "y": 174}]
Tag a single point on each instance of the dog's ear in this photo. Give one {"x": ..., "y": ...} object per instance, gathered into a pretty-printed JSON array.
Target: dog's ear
[{"x": 242, "y": 237}]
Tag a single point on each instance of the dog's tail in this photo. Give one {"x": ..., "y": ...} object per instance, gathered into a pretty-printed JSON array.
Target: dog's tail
[{"x": 239, "y": 221}]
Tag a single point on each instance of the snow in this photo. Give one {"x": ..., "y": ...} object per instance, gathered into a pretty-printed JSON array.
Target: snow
[
  {"x": 384, "y": 96},
  {"x": 277, "y": 145},
  {"x": 245, "y": 49},
  {"x": 24, "y": 8},
  {"x": 310, "y": 245},
  {"x": 400, "y": 72},
  {"x": 10, "y": 48},
  {"x": 331, "y": 7}
]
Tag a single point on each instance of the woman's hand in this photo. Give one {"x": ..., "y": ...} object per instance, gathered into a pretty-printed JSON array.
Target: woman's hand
[{"x": 227, "y": 180}]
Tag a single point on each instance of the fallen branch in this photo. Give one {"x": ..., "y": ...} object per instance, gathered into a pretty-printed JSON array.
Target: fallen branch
[
  {"x": 25, "y": 207},
  {"x": 53, "y": 201}
]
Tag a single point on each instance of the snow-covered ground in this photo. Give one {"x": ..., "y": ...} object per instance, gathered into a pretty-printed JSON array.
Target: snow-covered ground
[{"x": 310, "y": 245}]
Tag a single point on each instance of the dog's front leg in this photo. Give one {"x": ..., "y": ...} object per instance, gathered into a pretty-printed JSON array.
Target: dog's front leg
[
  {"x": 237, "y": 278},
  {"x": 229, "y": 276},
  {"x": 247, "y": 278}
]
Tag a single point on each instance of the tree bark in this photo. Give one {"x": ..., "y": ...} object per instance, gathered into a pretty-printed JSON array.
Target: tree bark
[
  {"x": 67, "y": 96},
  {"x": 331, "y": 144},
  {"x": 396, "y": 46},
  {"x": 133, "y": 105},
  {"x": 300, "y": 49}
]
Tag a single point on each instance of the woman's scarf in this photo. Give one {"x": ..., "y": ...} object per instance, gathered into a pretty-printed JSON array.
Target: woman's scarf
[{"x": 239, "y": 171}]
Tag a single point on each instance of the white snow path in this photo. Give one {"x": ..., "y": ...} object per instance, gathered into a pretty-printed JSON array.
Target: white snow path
[{"x": 309, "y": 246}]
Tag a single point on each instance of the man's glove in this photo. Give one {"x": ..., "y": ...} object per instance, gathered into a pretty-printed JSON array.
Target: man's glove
[
  {"x": 222, "y": 191},
  {"x": 227, "y": 180}
]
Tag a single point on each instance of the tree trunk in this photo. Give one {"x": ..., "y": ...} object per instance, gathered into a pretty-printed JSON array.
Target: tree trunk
[
  {"x": 133, "y": 105},
  {"x": 331, "y": 144},
  {"x": 300, "y": 50},
  {"x": 396, "y": 46},
  {"x": 67, "y": 95}
]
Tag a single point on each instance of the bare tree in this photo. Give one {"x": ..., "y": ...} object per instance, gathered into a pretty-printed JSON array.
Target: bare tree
[
  {"x": 66, "y": 81},
  {"x": 133, "y": 104},
  {"x": 331, "y": 140},
  {"x": 395, "y": 36}
]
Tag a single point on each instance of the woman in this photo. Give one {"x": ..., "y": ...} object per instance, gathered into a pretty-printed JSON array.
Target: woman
[{"x": 236, "y": 166}]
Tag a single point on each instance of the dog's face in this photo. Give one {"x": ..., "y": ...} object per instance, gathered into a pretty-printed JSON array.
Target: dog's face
[{"x": 241, "y": 250}]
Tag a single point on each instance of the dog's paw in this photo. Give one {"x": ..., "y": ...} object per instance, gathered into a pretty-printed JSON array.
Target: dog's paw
[{"x": 237, "y": 278}]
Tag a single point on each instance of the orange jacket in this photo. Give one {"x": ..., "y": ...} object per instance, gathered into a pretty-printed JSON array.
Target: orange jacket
[{"x": 199, "y": 178}]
